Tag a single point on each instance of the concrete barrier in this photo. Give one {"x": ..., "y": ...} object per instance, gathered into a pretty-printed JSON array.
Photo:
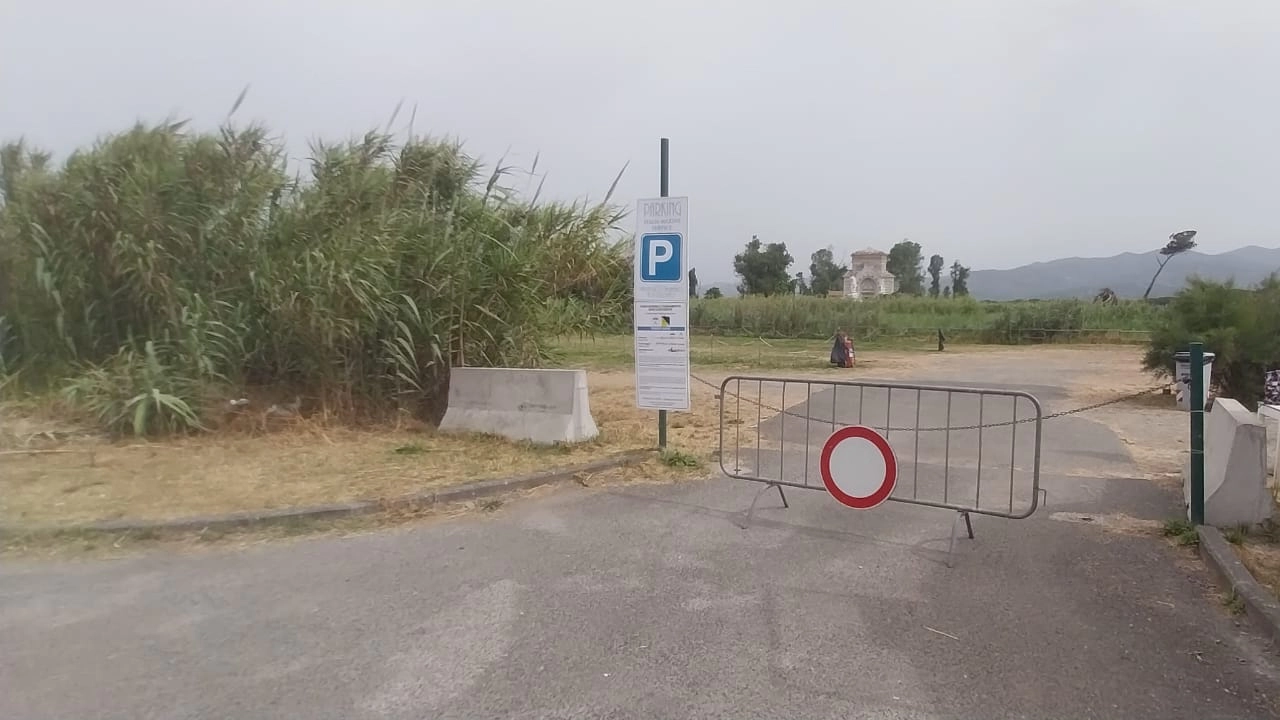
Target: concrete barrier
[
  {"x": 1269, "y": 415},
  {"x": 1235, "y": 467},
  {"x": 542, "y": 406}
]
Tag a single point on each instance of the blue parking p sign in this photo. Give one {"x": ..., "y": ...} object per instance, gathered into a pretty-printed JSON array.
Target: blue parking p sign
[
  {"x": 660, "y": 265},
  {"x": 660, "y": 255}
]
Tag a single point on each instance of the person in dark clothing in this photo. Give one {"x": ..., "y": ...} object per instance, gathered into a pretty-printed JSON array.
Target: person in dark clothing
[{"x": 842, "y": 350}]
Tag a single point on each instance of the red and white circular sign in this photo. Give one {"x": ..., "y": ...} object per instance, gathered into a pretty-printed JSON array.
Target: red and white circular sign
[{"x": 858, "y": 467}]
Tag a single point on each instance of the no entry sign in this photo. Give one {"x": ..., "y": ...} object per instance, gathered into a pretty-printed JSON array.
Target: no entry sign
[{"x": 858, "y": 467}]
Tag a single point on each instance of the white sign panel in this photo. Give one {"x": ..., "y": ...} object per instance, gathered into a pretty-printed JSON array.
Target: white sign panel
[
  {"x": 662, "y": 355},
  {"x": 662, "y": 250}
]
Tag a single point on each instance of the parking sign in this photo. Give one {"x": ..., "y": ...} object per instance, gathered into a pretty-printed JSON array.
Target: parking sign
[
  {"x": 661, "y": 253},
  {"x": 661, "y": 309},
  {"x": 661, "y": 261}
]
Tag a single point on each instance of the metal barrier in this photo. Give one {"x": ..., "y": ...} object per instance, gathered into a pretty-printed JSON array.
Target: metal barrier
[{"x": 958, "y": 448}]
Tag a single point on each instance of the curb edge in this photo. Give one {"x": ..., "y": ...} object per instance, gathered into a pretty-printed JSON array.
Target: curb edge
[{"x": 1260, "y": 605}]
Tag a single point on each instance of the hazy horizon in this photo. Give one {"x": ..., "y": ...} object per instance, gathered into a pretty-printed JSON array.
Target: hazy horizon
[{"x": 994, "y": 133}]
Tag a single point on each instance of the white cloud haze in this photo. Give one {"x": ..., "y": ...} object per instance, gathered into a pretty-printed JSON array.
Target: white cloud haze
[{"x": 996, "y": 133}]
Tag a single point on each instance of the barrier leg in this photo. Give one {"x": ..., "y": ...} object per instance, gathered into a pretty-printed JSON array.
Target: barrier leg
[
  {"x": 756, "y": 498},
  {"x": 955, "y": 525}
]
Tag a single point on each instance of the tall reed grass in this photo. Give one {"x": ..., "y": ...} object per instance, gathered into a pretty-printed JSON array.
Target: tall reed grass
[
  {"x": 1005, "y": 322},
  {"x": 185, "y": 266}
]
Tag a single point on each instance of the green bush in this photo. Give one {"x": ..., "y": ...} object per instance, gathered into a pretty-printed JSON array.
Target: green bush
[
  {"x": 1241, "y": 327},
  {"x": 358, "y": 283},
  {"x": 1008, "y": 322},
  {"x": 136, "y": 394}
]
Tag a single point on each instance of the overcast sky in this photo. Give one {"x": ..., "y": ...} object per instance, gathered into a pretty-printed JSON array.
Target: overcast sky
[{"x": 995, "y": 133}]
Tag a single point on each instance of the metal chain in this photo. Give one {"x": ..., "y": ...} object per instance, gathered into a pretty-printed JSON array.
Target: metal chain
[{"x": 1007, "y": 423}]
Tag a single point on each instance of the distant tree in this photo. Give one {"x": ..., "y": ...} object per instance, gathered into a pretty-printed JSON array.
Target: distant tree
[
  {"x": 936, "y": 264},
  {"x": 1179, "y": 243},
  {"x": 959, "y": 280},
  {"x": 824, "y": 274},
  {"x": 712, "y": 293},
  {"x": 946, "y": 292},
  {"x": 763, "y": 268},
  {"x": 904, "y": 262},
  {"x": 693, "y": 282}
]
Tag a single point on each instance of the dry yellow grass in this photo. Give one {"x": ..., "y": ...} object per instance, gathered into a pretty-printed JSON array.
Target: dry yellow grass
[
  {"x": 89, "y": 479},
  {"x": 47, "y": 544},
  {"x": 216, "y": 474},
  {"x": 1263, "y": 560},
  {"x": 311, "y": 463}
]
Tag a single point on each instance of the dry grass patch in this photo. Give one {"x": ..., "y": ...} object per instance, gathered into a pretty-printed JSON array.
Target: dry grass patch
[
  {"x": 306, "y": 465},
  {"x": 78, "y": 543},
  {"x": 89, "y": 479},
  {"x": 311, "y": 463},
  {"x": 1263, "y": 560},
  {"x": 1259, "y": 549},
  {"x": 82, "y": 544}
]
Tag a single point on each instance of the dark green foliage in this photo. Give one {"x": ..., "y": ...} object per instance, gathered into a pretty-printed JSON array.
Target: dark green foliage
[
  {"x": 959, "y": 280},
  {"x": 962, "y": 319},
  {"x": 904, "y": 262},
  {"x": 935, "y": 275},
  {"x": 168, "y": 263},
  {"x": 1017, "y": 320},
  {"x": 1241, "y": 327},
  {"x": 763, "y": 269},
  {"x": 825, "y": 274}
]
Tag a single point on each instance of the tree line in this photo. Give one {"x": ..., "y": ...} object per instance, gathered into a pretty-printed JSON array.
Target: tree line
[{"x": 765, "y": 269}]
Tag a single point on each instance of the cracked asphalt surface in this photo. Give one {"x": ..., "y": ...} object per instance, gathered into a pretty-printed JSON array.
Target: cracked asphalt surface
[{"x": 650, "y": 601}]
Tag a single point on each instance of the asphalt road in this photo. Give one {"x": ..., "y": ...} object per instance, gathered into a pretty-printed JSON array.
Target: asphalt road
[{"x": 650, "y": 601}]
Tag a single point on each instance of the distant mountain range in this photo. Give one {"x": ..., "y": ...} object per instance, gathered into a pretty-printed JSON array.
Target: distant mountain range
[
  {"x": 1127, "y": 274},
  {"x": 728, "y": 289}
]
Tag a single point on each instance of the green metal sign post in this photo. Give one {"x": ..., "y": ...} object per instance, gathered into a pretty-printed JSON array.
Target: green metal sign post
[
  {"x": 663, "y": 186},
  {"x": 1197, "y": 433}
]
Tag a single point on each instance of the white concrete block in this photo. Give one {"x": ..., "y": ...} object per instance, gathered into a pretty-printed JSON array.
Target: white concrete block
[
  {"x": 1235, "y": 467},
  {"x": 542, "y": 406}
]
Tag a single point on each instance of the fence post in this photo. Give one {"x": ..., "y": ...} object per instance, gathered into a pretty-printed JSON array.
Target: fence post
[{"x": 1197, "y": 433}]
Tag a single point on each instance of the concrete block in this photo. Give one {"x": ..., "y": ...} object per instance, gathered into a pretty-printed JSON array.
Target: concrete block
[
  {"x": 542, "y": 406},
  {"x": 1235, "y": 462}
]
